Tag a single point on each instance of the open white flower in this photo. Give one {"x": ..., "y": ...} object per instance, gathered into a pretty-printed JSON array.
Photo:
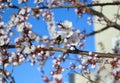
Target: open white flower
[
  {"x": 79, "y": 67},
  {"x": 22, "y": 11},
  {"x": 37, "y": 39},
  {"x": 45, "y": 37},
  {"x": 51, "y": 28},
  {"x": 13, "y": 55},
  {"x": 9, "y": 25},
  {"x": 28, "y": 25},
  {"x": 73, "y": 39},
  {"x": 14, "y": 19},
  {"x": 6, "y": 64},
  {"x": 84, "y": 61},
  {"x": 1, "y": 24},
  {"x": 15, "y": 63},
  {"x": 20, "y": 27},
  {"x": 38, "y": 1},
  {"x": 67, "y": 24},
  {"x": 31, "y": 35},
  {"x": 57, "y": 76},
  {"x": 33, "y": 48},
  {"x": 2, "y": 42},
  {"x": 1, "y": 62},
  {"x": 27, "y": 50},
  {"x": 65, "y": 33},
  {"x": 10, "y": 59},
  {"x": 21, "y": 1}
]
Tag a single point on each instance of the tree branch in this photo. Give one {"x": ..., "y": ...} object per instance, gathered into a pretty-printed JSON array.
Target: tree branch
[
  {"x": 98, "y": 31},
  {"x": 88, "y": 9},
  {"x": 100, "y": 55},
  {"x": 67, "y": 51},
  {"x": 104, "y": 4},
  {"x": 101, "y": 15},
  {"x": 73, "y": 6}
]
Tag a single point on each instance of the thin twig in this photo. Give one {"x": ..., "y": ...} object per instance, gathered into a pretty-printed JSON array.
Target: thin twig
[
  {"x": 72, "y": 6},
  {"x": 98, "y": 31},
  {"x": 88, "y": 9},
  {"x": 117, "y": 14}
]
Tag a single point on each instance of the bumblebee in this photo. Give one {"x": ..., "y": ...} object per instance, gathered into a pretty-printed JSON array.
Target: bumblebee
[{"x": 59, "y": 40}]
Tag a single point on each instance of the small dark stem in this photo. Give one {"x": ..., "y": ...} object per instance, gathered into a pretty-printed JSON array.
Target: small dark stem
[{"x": 96, "y": 32}]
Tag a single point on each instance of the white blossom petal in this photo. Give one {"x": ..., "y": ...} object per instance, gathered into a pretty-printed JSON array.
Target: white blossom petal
[
  {"x": 67, "y": 24},
  {"x": 27, "y": 50}
]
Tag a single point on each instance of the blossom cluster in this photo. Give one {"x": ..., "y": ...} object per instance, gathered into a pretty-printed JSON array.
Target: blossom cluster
[
  {"x": 37, "y": 49},
  {"x": 30, "y": 46}
]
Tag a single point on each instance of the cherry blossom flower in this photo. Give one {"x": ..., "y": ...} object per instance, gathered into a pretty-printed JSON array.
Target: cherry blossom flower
[
  {"x": 2, "y": 42},
  {"x": 45, "y": 37},
  {"x": 20, "y": 27},
  {"x": 67, "y": 24},
  {"x": 28, "y": 25},
  {"x": 65, "y": 33},
  {"x": 1, "y": 62},
  {"x": 93, "y": 66},
  {"x": 9, "y": 25},
  {"x": 50, "y": 23},
  {"x": 27, "y": 50},
  {"x": 84, "y": 61},
  {"x": 31, "y": 35},
  {"x": 45, "y": 78},
  {"x": 21, "y": 60},
  {"x": 13, "y": 55},
  {"x": 73, "y": 39},
  {"x": 90, "y": 21},
  {"x": 2, "y": 5},
  {"x": 33, "y": 48},
  {"x": 22, "y": 11},
  {"x": 57, "y": 76},
  {"x": 53, "y": 81},
  {"x": 80, "y": 67},
  {"x": 6, "y": 64},
  {"x": 6, "y": 39},
  {"x": 14, "y": 20},
  {"x": 32, "y": 63},
  {"x": 72, "y": 48},
  {"x": 25, "y": 12},
  {"x": 15, "y": 63},
  {"x": 52, "y": 28},
  {"x": 57, "y": 2},
  {"x": 10, "y": 59},
  {"x": 37, "y": 39},
  {"x": 17, "y": 41},
  {"x": 7, "y": 73},
  {"x": 1, "y": 24},
  {"x": 38, "y": 1}
]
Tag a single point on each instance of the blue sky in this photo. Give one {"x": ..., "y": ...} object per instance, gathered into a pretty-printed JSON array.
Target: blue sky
[{"x": 25, "y": 73}]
